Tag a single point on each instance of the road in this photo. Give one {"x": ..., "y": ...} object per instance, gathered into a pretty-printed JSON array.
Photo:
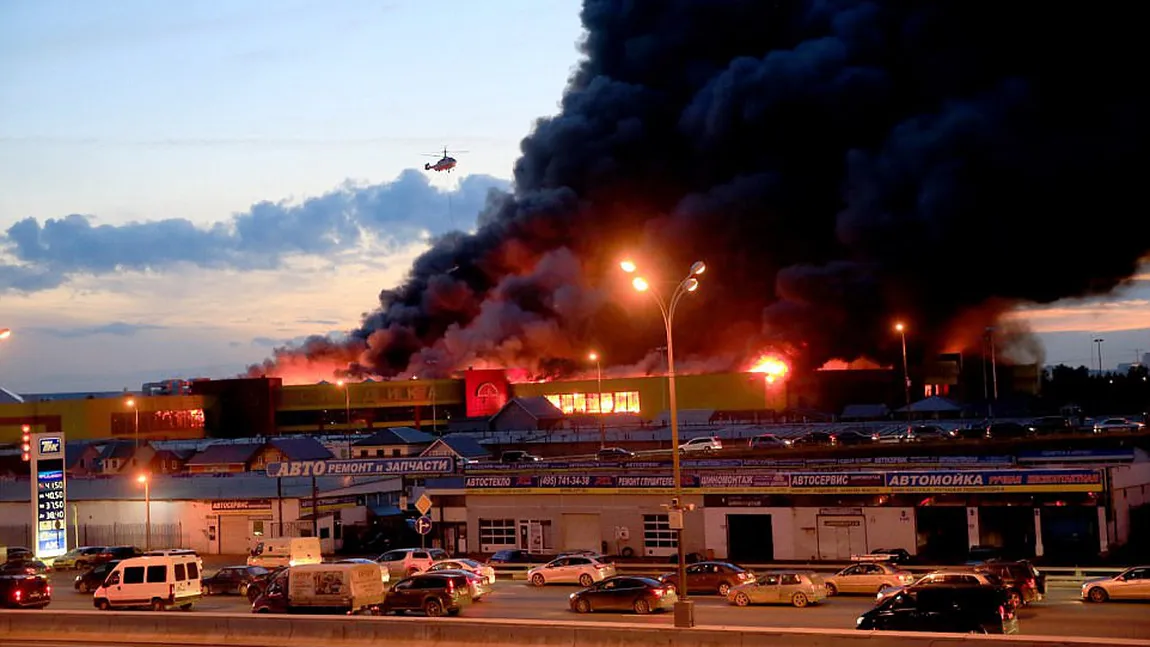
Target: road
[{"x": 1060, "y": 614}]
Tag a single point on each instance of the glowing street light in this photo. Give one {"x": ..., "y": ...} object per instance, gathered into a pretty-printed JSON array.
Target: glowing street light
[
  {"x": 131, "y": 402},
  {"x": 143, "y": 478},
  {"x": 901, "y": 329},
  {"x": 346, "y": 401},
  {"x": 5, "y": 333},
  {"x": 594, "y": 357},
  {"x": 689, "y": 284}
]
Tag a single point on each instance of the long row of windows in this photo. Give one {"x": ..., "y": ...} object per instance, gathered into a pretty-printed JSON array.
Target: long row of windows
[
  {"x": 536, "y": 535},
  {"x": 617, "y": 402}
]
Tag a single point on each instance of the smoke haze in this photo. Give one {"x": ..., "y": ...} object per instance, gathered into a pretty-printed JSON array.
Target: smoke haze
[{"x": 838, "y": 165}]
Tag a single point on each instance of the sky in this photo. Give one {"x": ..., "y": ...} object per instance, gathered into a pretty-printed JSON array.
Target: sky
[{"x": 185, "y": 186}]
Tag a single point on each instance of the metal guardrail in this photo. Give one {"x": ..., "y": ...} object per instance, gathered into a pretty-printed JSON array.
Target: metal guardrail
[{"x": 1054, "y": 574}]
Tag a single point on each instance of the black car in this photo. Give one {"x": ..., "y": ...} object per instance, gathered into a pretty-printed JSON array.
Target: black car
[
  {"x": 853, "y": 437},
  {"x": 513, "y": 556},
  {"x": 614, "y": 454},
  {"x": 435, "y": 594},
  {"x": 24, "y": 566},
  {"x": 24, "y": 591},
  {"x": 1047, "y": 425},
  {"x": 814, "y": 439},
  {"x": 92, "y": 578},
  {"x": 896, "y": 555},
  {"x": 944, "y": 608},
  {"x": 234, "y": 580},
  {"x": 624, "y": 593},
  {"x": 1006, "y": 430}
]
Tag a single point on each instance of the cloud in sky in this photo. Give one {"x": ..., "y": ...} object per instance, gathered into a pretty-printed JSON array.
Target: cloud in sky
[
  {"x": 48, "y": 254},
  {"x": 117, "y": 328}
]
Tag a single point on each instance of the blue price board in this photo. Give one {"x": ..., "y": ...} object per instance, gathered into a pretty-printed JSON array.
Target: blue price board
[{"x": 51, "y": 508}]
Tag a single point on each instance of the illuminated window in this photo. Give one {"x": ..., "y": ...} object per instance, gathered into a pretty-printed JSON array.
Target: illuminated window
[{"x": 618, "y": 402}]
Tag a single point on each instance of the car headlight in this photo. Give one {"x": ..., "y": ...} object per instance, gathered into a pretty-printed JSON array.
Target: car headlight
[
  {"x": 858, "y": 621},
  {"x": 573, "y": 596}
]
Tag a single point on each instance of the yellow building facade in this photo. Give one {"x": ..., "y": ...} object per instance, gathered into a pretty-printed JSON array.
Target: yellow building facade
[{"x": 154, "y": 417}]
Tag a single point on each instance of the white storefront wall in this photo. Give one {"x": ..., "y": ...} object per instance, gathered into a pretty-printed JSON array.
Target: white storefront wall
[{"x": 805, "y": 533}]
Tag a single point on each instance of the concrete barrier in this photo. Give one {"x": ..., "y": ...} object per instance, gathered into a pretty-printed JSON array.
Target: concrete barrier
[{"x": 94, "y": 628}]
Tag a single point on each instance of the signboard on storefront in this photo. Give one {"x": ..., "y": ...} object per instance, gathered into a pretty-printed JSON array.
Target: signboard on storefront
[
  {"x": 330, "y": 503},
  {"x": 429, "y": 465},
  {"x": 241, "y": 505},
  {"x": 937, "y": 481},
  {"x": 705, "y": 464}
]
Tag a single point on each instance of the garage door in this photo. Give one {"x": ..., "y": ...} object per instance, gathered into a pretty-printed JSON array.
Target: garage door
[
  {"x": 234, "y": 535},
  {"x": 841, "y": 537},
  {"x": 581, "y": 532}
]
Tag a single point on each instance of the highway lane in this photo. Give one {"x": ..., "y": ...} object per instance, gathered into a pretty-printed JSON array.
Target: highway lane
[{"x": 1060, "y": 614}]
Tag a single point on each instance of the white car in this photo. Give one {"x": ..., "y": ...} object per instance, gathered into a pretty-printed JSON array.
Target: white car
[
  {"x": 868, "y": 577},
  {"x": 482, "y": 570},
  {"x": 1131, "y": 584},
  {"x": 571, "y": 570},
  {"x": 705, "y": 444},
  {"x": 967, "y": 578},
  {"x": 405, "y": 562}
]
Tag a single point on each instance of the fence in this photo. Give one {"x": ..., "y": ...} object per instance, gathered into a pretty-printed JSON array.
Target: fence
[{"x": 164, "y": 535}]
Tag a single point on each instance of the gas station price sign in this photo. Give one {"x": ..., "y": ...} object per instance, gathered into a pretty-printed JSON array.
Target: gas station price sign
[{"x": 49, "y": 494}]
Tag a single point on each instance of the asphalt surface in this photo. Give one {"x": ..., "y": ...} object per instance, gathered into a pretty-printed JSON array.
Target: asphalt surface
[{"x": 1060, "y": 614}]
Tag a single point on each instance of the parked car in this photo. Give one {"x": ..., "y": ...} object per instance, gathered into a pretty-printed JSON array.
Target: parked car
[
  {"x": 868, "y": 577},
  {"x": 1118, "y": 424},
  {"x": 404, "y": 562},
  {"x": 435, "y": 594},
  {"x": 797, "y": 588},
  {"x": 477, "y": 585},
  {"x": 704, "y": 444},
  {"x": 1006, "y": 430},
  {"x": 286, "y": 551},
  {"x": 518, "y": 456},
  {"x": 853, "y": 437},
  {"x": 961, "y": 577},
  {"x": 710, "y": 577},
  {"x": 614, "y": 454},
  {"x": 511, "y": 556},
  {"x": 890, "y": 555},
  {"x": 1047, "y": 425},
  {"x": 23, "y": 591},
  {"x": 233, "y": 580},
  {"x": 14, "y": 552},
  {"x": 767, "y": 441},
  {"x": 944, "y": 608},
  {"x": 92, "y": 578},
  {"x": 157, "y": 583},
  {"x": 1131, "y": 584},
  {"x": 639, "y": 594},
  {"x": 814, "y": 439},
  {"x": 78, "y": 558},
  {"x": 482, "y": 570},
  {"x": 569, "y": 570},
  {"x": 24, "y": 566},
  {"x": 117, "y": 553},
  {"x": 926, "y": 434}
]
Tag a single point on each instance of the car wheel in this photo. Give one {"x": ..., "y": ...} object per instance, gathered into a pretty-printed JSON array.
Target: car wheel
[
  {"x": 799, "y": 600},
  {"x": 433, "y": 608},
  {"x": 537, "y": 579},
  {"x": 102, "y": 604},
  {"x": 83, "y": 588},
  {"x": 81, "y": 566},
  {"x": 742, "y": 600},
  {"x": 1098, "y": 594},
  {"x": 157, "y": 604},
  {"x": 586, "y": 580},
  {"x": 582, "y": 606},
  {"x": 186, "y": 607},
  {"x": 724, "y": 589},
  {"x": 642, "y": 607},
  {"x": 243, "y": 590},
  {"x": 832, "y": 590},
  {"x": 1015, "y": 599}
]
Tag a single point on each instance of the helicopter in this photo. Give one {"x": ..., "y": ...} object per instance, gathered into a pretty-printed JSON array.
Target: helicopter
[{"x": 445, "y": 163}]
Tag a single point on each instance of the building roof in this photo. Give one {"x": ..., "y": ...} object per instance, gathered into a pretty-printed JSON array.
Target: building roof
[
  {"x": 301, "y": 449},
  {"x": 118, "y": 449},
  {"x": 226, "y": 454},
  {"x": 173, "y": 454},
  {"x": 461, "y": 445},
  {"x": 865, "y": 411},
  {"x": 396, "y": 436},
  {"x": 933, "y": 404},
  {"x": 536, "y": 406}
]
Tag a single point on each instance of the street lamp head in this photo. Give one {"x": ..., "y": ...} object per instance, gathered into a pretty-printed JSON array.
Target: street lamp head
[
  {"x": 131, "y": 402},
  {"x": 640, "y": 284},
  {"x": 691, "y": 284},
  {"x": 628, "y": 266},
  {"x": 594, "y": 357},
  {"x": 143, "y": 478},
  {"x": 698, "y": 267},
  {"x": 339, "y": 383},
  {"x": 899, "y": 327},
  {"x": 5, "y": 333}
]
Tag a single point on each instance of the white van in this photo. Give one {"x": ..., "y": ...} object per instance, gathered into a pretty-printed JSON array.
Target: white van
[
  {"x": 286, "y": 551},
  {"x": 323, "y": 588},
  {"x": 157, "y": 583}
]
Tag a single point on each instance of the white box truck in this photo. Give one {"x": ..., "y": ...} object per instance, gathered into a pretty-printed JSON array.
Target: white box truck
[{"x": 323, "y": 588}]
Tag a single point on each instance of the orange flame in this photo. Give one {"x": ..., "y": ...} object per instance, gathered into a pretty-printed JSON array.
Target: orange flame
[{"x": 773, "y": 366}]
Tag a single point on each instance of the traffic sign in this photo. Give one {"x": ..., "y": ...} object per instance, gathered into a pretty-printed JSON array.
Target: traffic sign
[
  {"x": 423, "y": 504},
  {"x": 423, "y": 525}
]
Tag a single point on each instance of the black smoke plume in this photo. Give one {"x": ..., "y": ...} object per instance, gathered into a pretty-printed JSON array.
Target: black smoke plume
[{"x": 838, "y": 165}]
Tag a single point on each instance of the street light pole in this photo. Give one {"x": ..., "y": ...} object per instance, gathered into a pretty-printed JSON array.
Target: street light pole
[
  {"x": 685, "y": 607},
  {"x": 1098, "y": 343},
  {"x": 136, "y": 417},
  {"x": 905, "y": 370},
  {"x": 346, "y": 402},
  {"x": 594, "y": 357},
  {"x": 143, "y": 478}
]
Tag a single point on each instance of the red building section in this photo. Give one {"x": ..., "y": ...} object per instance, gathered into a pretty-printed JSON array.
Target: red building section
[{"x": 486, "y": 391}]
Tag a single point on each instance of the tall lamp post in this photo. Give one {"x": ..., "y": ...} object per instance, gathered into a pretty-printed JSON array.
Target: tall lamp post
[
  {"x": 131, "y": 402},
  {"x": 346, "y": 402},
  {"x": 594, "y": 357},
  {"x": 1098, "y": 342},
  {"x": 684, "y": 607},
  {"x": 905, "y": 371},
  {"x": 143, "y": 478}
]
